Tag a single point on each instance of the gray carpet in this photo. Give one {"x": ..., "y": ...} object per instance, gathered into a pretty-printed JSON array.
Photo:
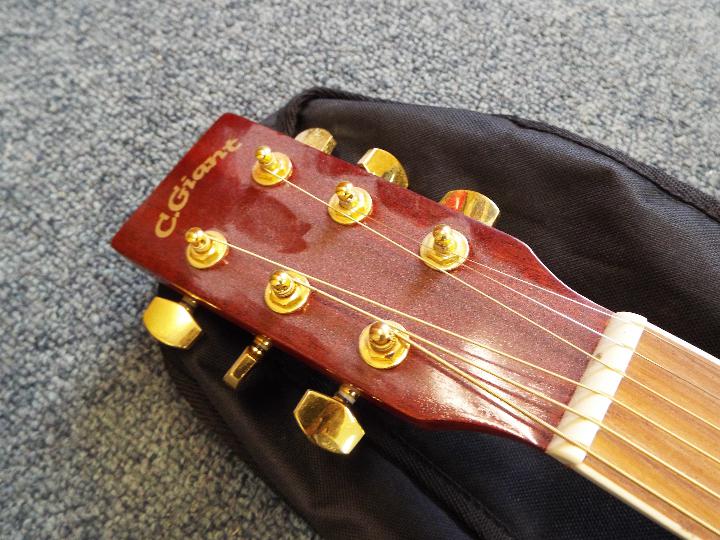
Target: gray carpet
[{"x": 98, "y": 101}]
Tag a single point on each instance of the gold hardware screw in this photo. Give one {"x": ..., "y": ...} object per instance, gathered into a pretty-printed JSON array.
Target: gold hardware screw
[
  {"x": 381, "y": 336},
  {"x": 383, "y": 344},
  {"x": 346, "y": 194},
  {"x": 286, "y": 291},
  {"x": 443, "y": 241},
  {"x": 282, "y": 284},
  {"x": 265, "y": 158},
  {"x": 198, "y": 239},
  {"x": 347, "y": 393},
  {"x": 349, "y": 204},
  {"x": 270, "y": 167},
  {"x": 444, "y": 248},
  {"x": 205, "y": 248}
]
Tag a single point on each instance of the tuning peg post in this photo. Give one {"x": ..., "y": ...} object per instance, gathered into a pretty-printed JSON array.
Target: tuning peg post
[
  {"x": 349, "y": 204},
  {"x": 444, "y": 248},
  {"x": 270, "y": 167},
  {"x": 205, "y": 248}
]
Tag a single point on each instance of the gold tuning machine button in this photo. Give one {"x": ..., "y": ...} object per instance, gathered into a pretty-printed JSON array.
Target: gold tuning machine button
[
  {"x": 472, "y": 204},
  {"x": 172, "y": 323},
  {"x": 383, "y": 164},
  {"x": 319, "y": 138},
  {"x": 247, "y": 360},
  {"x": 328, "y": 421}
]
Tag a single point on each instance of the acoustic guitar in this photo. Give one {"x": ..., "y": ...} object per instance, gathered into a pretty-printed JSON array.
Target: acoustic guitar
[{"x": 427, "y": 310}]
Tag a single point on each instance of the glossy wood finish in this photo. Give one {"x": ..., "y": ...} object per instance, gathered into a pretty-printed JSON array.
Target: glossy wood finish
[
  {"x": 286, "y": 225},
  {"x": 289, "y": 227},
  {"x": 698, "y": 369}
]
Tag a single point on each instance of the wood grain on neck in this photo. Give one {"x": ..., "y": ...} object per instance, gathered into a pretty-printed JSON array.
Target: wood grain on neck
[{"x": 695, "y": 368}]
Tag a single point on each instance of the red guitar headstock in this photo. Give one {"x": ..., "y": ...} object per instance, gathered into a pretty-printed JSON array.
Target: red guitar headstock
[{"x": 253, "y": 224}]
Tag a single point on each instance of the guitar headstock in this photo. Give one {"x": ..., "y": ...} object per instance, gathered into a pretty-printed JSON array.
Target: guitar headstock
[{"x": 312, "y": 254}]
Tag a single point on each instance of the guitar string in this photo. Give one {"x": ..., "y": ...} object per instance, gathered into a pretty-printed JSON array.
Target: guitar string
[
  {"x": 604, "y": 311},
  {"x": 526, "y": 363},
  {"x": 596, "y": 332},
  {"x": 581, "y": 304},
  {"x": 583, "y": 447},
  {"x": 483, "y": 386},
  {"x": 599, "y": 309},
  {"x": 514, "y": 311},
  {"x": 531, "y": 391},
  {"x": 577, "y": 322},
  {"x": 557, "y": 375}
]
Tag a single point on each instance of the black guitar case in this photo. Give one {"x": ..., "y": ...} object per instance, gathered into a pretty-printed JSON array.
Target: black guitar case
[{"x": 623, "y": 233}]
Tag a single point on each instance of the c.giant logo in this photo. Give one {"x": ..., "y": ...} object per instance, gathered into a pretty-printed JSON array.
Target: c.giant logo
[{"x": 166, "y": 222}]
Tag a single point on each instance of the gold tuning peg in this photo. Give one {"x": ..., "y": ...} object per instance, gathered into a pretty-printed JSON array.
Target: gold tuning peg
[
  {"x": 328, "y": 422},
  {"x": 319, "y": 138},
  {"x": 270, "y": 167},
  {"x": 172, "y": 323},
  {"x": 247, "y": 360},
  {"x": 383, "y": 164},
  {"x": 472, "y": 204}
]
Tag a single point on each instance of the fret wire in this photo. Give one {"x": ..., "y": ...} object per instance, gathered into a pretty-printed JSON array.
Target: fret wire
[
  {"x": 576, "y": 412},
  {"x": 510, "y": 309}
]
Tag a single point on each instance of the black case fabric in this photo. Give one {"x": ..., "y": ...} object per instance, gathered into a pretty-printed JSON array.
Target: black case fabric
[{"x": 625, "y": 234}]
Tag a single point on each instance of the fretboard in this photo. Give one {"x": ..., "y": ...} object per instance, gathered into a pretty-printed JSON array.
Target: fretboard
[{"x": 658, "y": 443}]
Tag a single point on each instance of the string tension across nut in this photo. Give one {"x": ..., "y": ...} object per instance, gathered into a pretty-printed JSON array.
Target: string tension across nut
[
  {"x": 444, "y": 248},
  {"x": 349, "y": 204},
  {"x": 286, "y": 291},
  {"x": 205, "y": 248},
  {"x": 270, "y": 167}
]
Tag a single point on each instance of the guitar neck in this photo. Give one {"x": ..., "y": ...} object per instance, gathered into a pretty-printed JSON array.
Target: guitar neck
[
  {"x": 674, "y": 426},
  {"x": 632, "y": 410}
]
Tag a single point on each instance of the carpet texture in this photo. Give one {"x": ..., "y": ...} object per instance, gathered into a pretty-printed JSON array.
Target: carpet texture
[{"x": 99, "y": 99}]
